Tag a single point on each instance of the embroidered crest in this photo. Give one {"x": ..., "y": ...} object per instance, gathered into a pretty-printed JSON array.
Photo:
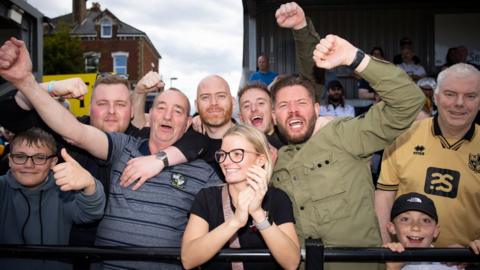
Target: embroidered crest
[
  {"x": 178, "y": 181},
  {"x": 474, "y": 162}
]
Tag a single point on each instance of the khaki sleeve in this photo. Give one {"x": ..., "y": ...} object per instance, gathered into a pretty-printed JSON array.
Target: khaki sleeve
[{"x": 386, "y": 120}]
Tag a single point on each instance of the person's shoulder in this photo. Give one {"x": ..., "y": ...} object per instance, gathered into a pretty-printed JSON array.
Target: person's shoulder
[{"x": 276, "y": 193}]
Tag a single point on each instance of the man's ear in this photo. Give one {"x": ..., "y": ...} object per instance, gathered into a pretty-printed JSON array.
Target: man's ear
[
  {"x": 196, "y": 105},
  {"x": 189, "y": 123},
  {"x": 317, "y": 108},
  {"x": 54, "y": 162},
  {"x": 274, "y": 116}
]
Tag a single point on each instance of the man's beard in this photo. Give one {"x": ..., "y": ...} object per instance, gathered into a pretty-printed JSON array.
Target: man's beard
[
  {"x": 217, "y": 121},
  {"x": 310, "y": 124}
]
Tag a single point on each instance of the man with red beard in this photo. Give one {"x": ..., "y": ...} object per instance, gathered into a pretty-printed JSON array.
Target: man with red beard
[
  {"x": 214, "y": 104},
  {"x": 326, "y": 175}
]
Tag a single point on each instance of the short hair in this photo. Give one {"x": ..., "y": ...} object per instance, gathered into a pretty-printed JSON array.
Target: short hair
[
  {"x": 112, "y": 79},
  {"x": 258, "y": 140},
  {"x": 461, "y": 70},
  {"x": 178, "y": 91},
  {"x": 37, "y": 137},
  {"x": 255, "y": 85},
  {"x": 377, "y": 48},
  {"x": 292, "y": 80}
]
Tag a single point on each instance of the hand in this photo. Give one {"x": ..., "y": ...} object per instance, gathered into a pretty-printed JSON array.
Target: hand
[
  {"x": 291, "y": 15},
  {"x": 241, "y": 211},
  {"x": 15, "y": 63},
  {"x": 70, "y": 88},
  {"x": 69, "y": 175},
  {"x": 149, "y": 83},
  {"x": 197, "y": 124},
  {"x": 475, "y": 246},
  {"x": 333, "y": 51},
  {"x": 395, "y": 247},
  {"x": 140, "y": 169},
  {"x": 257, "y": 180}
]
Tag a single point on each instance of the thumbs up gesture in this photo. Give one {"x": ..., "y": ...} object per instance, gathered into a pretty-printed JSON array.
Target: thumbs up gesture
[{"x": 69, "y": 175}]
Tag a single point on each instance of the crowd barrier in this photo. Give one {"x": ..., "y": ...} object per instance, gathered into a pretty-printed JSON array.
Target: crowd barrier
[{"x": 314, "y": 255}]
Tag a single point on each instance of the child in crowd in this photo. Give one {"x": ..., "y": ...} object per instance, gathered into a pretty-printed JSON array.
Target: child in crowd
[
  {"x": 40, "y": 199},
  {"x": 414, "y": 222}
]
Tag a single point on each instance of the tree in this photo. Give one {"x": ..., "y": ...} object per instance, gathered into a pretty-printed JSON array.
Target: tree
[{"x": 62, "y": 54}]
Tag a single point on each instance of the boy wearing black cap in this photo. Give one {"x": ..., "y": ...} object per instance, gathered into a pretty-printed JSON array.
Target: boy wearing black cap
[{"x": 414, "y": 222}]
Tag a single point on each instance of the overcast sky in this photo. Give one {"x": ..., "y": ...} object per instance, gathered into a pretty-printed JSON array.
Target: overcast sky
[{"x": 195, "y": 38}]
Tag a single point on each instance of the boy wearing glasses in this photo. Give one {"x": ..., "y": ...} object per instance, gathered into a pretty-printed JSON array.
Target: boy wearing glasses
[{"x": 40, "y": 199}]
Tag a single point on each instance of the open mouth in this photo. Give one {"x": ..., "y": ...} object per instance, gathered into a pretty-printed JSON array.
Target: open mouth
[
  {"x": 166, "y": 127},
  {"x": 295, "y": 124},
  {"x": 256, "y": 120},
  {"x": 415, "y": 239}
]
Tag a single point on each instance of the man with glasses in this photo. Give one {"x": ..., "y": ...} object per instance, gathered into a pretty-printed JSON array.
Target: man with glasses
[
  {"x": 159, "y": 208},
  {"x": 40, "y": 199}
]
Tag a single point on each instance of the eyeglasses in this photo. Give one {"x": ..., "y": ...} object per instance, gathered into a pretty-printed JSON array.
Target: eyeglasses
[
  {"x": 37, "y": 159},
  {"x": 236, "y": 155}
]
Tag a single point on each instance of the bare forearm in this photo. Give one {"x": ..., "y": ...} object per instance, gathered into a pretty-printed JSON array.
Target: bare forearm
[
  {"x": 209, "y": 244},
  {"x": 62, "y": 121},
  {"x": 175, "y": 156},
  {"x": 139, "y": 101},
  {"x": 285, "y": 251}
]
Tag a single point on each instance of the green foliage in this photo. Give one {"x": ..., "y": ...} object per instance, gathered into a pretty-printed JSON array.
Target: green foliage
[{"x": 62, "y": 54}]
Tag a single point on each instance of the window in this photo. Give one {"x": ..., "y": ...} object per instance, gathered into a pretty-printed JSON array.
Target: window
[
  {"x": 106, "y": 28},
  {"x": 120, "y": 61},
  {"x": 92, "y": 59}
]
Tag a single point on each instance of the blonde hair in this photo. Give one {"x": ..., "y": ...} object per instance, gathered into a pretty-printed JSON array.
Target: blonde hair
[{"x": 259, "y": 142}]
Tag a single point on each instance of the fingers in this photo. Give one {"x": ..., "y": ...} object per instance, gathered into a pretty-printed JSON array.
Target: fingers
[
  {"x": 139, "y": 183},
  {"x": 475, "y": 245},
  {"x": 67, "y": 157},
  {"x": 395, "y": 247}
]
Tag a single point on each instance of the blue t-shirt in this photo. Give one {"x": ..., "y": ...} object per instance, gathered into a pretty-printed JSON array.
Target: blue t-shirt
[{"x": 266, "y": 78}]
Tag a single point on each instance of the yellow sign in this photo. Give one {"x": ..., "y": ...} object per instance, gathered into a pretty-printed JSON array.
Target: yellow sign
[{"x": 77, "y": 107}]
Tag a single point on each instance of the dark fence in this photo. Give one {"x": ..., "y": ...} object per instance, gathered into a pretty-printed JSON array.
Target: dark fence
[{"x": 314, "y": 255}]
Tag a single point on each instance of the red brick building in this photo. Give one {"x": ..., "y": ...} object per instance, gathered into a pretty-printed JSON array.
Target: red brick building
[{"x": 109, "y": 44}]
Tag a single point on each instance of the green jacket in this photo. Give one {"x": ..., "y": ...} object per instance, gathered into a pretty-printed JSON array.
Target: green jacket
[{"x": 328, "y": 178}]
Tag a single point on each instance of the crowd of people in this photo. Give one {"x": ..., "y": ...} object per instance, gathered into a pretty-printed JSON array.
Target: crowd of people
[{"x": 292, "y": 170}]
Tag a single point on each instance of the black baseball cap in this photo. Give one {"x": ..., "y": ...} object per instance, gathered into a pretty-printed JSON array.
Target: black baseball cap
[
  {"x": 414, "y": 202},
  {"x": 334, "y": 83}
]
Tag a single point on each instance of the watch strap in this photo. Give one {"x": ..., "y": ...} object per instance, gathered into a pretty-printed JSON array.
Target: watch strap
[{"x": 357, "y": 60}]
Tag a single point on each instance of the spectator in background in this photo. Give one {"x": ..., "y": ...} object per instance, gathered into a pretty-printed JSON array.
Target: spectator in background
[
  {"x": 405, "y": 42},
  {"x": 335, "y": 102},
  {"x": 263, "y": 73},
  {"x": 365, "y": 91},
  {"x": 428, "y": 85},
  {"x": 415, "y": 71}
]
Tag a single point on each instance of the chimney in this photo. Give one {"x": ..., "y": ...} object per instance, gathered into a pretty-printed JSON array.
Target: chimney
[
  {"x": 79, "y": 9},
  {"x": 96, "y": 7}
]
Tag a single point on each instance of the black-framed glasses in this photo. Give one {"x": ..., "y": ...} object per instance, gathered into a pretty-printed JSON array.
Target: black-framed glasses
[
  {"x": 236, "y": 155},
  {"x": 37, "y": 159}
]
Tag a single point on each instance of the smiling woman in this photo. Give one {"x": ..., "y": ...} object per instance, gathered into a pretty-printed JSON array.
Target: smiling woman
[{"x": 261, "y": 216}]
